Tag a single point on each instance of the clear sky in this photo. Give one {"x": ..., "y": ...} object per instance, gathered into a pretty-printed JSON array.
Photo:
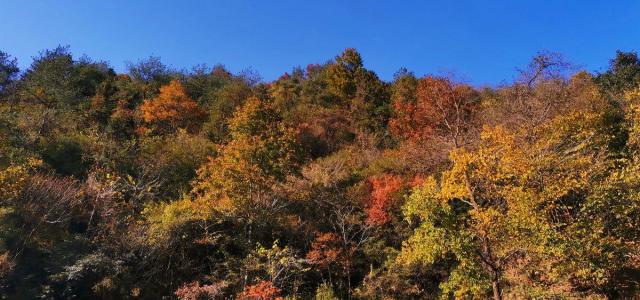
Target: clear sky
[{"x": 480, "y": 41}]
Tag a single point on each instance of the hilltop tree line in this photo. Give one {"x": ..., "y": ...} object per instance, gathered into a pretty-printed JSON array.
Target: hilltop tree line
[{"x": 327, "y": 183}]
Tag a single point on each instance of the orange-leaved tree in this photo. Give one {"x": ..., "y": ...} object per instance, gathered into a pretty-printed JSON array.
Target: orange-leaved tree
[
  {"x": 172, "y": 109},
  {"x": 384, "y": 195},
  {"x": 440, "y": 108},
  {"x": 263, "y": 290}
]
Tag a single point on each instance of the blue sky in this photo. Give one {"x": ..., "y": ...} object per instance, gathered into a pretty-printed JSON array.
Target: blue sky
[{"x": 481, "y": 42}]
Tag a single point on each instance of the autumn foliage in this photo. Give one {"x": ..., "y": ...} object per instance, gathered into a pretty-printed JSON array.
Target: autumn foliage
[
  {"x": 327, "y": 250},
  {"x": 195, "y": 291},
  {"x": 384, "y": 196},
  {"x": 440, "y": 107},
  {"x": 325, "y": 183},
  {"x": 263, "y": 290},
  {"x": 172, "y": 109},
  {"x": 260, "y": 157}
]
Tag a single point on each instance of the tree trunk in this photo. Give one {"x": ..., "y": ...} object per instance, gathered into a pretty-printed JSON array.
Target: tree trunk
[
  {"x": 349, "y": 278},
  {"x": 497, "y": 292}
]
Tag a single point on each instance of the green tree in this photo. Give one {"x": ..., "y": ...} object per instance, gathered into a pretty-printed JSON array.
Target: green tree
[
  {"x": 623, "y": 74},
  {"x": 8, "y": 71}
]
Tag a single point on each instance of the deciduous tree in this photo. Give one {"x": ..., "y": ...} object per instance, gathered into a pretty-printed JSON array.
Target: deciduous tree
[{"x": 172, "y": 109}]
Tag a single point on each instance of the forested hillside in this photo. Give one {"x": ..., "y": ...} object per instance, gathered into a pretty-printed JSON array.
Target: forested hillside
[{"x": 327, "y": 183}]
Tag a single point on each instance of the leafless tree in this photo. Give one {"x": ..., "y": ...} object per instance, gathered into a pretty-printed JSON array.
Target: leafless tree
[{"x": 47, "y": 200}]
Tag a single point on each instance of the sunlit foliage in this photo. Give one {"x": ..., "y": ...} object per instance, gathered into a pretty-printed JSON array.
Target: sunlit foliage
[
  {"x": 326, "y": 183},
  {"x": 171, "y": 109}
]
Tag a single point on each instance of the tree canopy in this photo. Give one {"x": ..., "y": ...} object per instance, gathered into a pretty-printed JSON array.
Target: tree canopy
[{"x": 326, "y": 183}]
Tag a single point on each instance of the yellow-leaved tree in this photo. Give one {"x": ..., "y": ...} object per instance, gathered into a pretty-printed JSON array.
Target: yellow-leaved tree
[
  {"x": 510, "y": 212},
  {"x": 261, "y": 154}
]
